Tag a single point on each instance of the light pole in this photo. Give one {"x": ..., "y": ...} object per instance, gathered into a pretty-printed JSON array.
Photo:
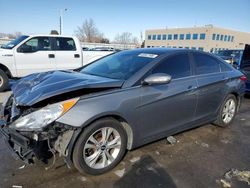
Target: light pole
[{"x": 61, "y": 20}]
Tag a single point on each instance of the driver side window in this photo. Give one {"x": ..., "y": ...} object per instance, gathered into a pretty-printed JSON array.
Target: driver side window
[
  {"x": 177, "y": 66},
  {"x": 37, "y": 44}
]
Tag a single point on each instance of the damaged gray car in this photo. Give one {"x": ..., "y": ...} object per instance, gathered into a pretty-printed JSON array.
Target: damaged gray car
[{"x": 91, "y": 116}]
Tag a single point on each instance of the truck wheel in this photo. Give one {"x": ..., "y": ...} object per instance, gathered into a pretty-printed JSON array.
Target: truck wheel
[
  {"x": 4, "y": 81},
  {"x": 100, "y": 147}
]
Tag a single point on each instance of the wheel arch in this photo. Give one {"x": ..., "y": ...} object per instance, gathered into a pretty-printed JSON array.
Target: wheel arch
[
  {"x": 6, "y": 70},
  {"x": 127, "y": 127},
  {"x": 238, "y": 98},
  {"x": 124, "y": 123}
]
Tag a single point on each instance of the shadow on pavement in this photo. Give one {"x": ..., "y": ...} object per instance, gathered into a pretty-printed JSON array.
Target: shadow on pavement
[{"x": 147, "y": 174}]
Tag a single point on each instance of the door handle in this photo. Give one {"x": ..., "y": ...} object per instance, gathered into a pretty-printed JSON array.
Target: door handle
[
  {"x": 51, "y": 55},
  {"x": 191, "y": 88},
  {"x": 77, "y": 55}
]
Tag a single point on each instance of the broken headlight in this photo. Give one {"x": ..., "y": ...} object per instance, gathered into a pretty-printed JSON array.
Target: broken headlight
[{"x": 39, "y": 119}]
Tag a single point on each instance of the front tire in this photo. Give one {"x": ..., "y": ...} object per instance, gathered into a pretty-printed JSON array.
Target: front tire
[
  {"x": 4, "y": 81},
  {"x": 227, "y": 111},
  {"x": 100, "y": 147}
]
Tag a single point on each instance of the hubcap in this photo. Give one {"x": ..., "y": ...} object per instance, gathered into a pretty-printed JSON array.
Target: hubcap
[
  {"x": 102, "y": 148},
  {"x": 228, "y": 111}
]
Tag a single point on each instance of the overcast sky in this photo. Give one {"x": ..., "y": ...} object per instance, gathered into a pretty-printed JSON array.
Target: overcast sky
[{"x": 117, "y": 16}]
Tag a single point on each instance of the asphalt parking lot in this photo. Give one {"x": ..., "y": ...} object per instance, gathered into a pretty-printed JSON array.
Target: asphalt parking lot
[{"x": 200, "y": 158}]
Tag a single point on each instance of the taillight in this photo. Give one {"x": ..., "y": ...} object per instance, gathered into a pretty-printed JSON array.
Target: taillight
[{"x": 243, "y": 78}]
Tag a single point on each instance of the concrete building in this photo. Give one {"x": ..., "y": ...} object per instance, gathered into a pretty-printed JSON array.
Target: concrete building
[{"x": 207, "y": 38}]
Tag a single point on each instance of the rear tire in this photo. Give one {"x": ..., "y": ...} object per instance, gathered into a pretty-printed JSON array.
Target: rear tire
[
  {"x": 4, "y": 81},
  {"x": 227, "y": 111},
  {"x": 100, "y": 147}
]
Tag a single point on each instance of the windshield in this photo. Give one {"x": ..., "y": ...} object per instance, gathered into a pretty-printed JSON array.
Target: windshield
[
  {"x": 15, "y": 42},
  {"x": 121, "y": 65}
]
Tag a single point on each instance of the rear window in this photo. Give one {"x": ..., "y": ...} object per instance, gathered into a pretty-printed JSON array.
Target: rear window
[
  {"x": 65, "y": 44},
  {"x": 205, "y": 64},
  {"x": 224, "y": 67}
]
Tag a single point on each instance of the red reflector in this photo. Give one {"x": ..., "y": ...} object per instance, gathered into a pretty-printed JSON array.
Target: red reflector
[{"x": 243, "y": 78}]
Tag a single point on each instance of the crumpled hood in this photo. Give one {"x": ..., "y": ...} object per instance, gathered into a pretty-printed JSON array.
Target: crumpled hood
[{"x": 40, "y": 86}]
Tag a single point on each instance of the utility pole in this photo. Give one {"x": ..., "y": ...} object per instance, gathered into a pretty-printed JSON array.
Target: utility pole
[{"x": 61, "y": 20}]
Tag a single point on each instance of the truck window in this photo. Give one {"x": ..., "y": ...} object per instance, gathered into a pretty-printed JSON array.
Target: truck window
[
  {"x": 38, "y": 44},
  {"x": 65, "y": 44}
]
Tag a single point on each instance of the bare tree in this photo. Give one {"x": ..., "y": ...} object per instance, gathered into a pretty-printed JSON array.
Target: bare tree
[
  {"x": 135, "y": 40},
  {"x": 88, "y": 32},
  {"x": 126, "y": 38}
]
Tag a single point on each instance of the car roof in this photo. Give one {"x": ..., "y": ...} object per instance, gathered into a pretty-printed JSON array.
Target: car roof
[
  {"x": 160, "y": 51},
  {"x": 51, "y": 35}
]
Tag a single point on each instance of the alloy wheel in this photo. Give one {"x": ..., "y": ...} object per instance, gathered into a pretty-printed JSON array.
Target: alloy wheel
[
  {"x": 102, "y": 148},
  {"x": 228, "y": 111}
]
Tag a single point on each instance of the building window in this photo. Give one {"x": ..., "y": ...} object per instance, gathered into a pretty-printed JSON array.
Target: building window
[
  {"x": 232, "y": 38},
  {"x": 180, "y": 47},
  {"x": 174, "y": 46},
  {"x": 225, "y": 38},
  {"x": 154, "y": 37},
  {"x": 169, "y": 47},
  {"x": 169, "y": 37},
  {"x": 149, "y": 37},
  {"x": 202, "y": 36},
  {"x": 188, "y": 36},
  {"x": 221, "y": 37},
  {"x": 175, "y": 36},
  {"x": 148, "y": 46},
  {"x": 228, "y": 38},
  {"x": 214, "y": 36},
  {"x": 187, "y": 47},
  {"x": 158, "y": 37},
  {"x": 181, "y": 36},
  {"x": 193, "y": 48},
  {"x": 217, "y": 37},
  {"x": 164, "y": 37},
  {"x": 195, "y": 36},
  {"x": 201, "y": 48}
]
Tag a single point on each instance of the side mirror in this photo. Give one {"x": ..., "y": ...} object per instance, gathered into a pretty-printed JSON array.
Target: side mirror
[
  {"x": 156, "y": 79},
  {"x": 25, "y": 49}
]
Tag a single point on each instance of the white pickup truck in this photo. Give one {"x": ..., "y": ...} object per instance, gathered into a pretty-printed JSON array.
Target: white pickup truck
[{"x": 39, "y": 53}]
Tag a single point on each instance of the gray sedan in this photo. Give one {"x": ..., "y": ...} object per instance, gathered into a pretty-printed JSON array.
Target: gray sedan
[{"x": 92, "y": 115}]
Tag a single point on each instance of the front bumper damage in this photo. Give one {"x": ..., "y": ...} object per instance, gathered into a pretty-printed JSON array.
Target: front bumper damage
[
  {"x": 28, "y": 146},
  {"x": 17, "y": 144}
]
